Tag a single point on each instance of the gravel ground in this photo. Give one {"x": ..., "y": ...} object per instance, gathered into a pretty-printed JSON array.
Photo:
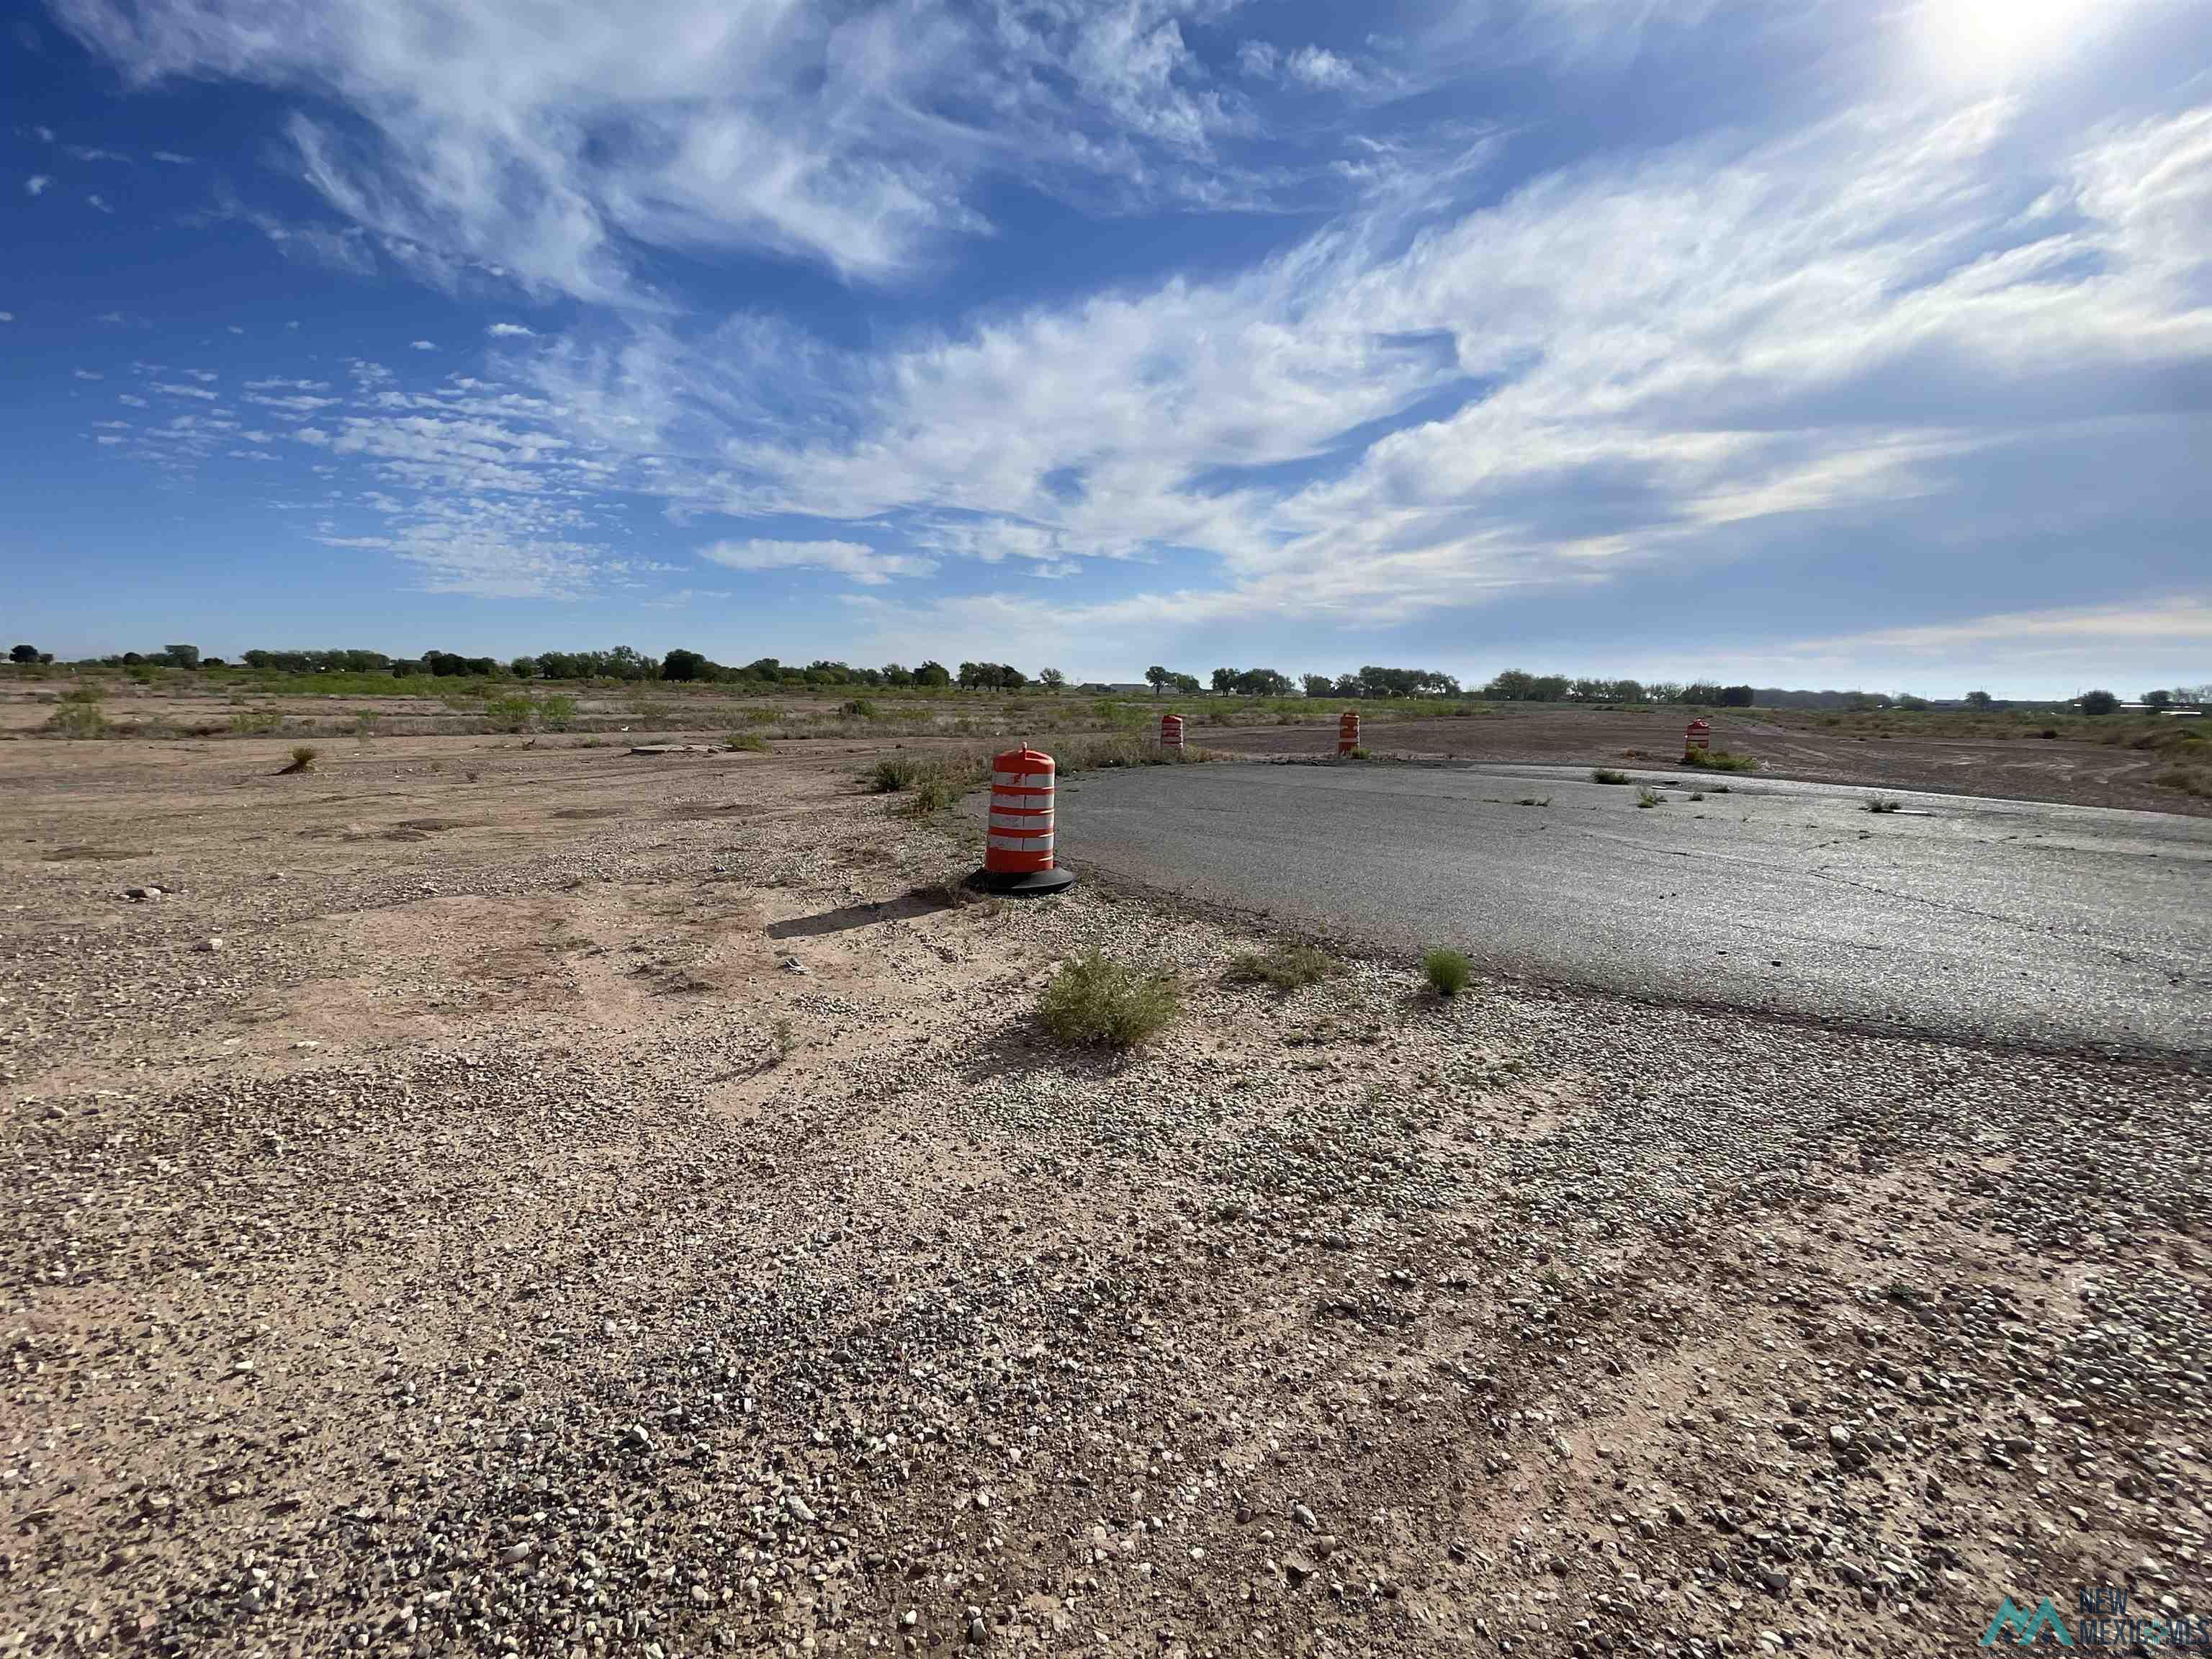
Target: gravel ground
[{"x": 589, "y": 1205}]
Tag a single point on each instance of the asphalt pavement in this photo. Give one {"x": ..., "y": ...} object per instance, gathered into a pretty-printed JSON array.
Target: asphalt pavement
[{"x": 2012, "y": 922}]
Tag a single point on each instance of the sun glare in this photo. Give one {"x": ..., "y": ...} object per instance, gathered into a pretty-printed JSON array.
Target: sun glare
[{"x": 1982, "y": 40}]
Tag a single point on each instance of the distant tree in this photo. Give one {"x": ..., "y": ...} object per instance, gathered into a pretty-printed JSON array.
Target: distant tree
[
  {"x": 1981, "y": 699},
  {"x": 1316, "y": 685},
  {"x": 1158, "y": 679},
  {"x": 1051, "y": 679},
  {"x": 2157, "y": 699},
  {"x": 24, "y": 653},
  {"x": 182, "y": 656},
  {"x": 2098, "y": 702},
  {"x": 1224, "y": 680},
  {"x": 932, "y": 673},
  {"x": 681, "y": 665}
]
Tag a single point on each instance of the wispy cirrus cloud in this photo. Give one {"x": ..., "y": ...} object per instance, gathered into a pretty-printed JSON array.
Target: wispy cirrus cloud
[
  {"x": 864, "y": 564},
  {"x": 539, "y": 142}
]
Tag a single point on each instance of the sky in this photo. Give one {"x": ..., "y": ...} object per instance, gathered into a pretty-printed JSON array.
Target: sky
[{"x": 1851, "y": 342}]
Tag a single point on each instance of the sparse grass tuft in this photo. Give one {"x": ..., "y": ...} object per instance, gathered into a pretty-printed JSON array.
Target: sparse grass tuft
[
  {"x": 1649, "y": 797},
  {"x": 1718, "y": 760},
  {"x": 79, "y": 714},
  {"x": 895, "y": 771},
  {"x": 1094, "y": 1001},
  {"x": 2188, "y": 782},
  {"x": 1287, "y": 967},
  {"x": 303, "y": 759},
  {"x": 1606, "y": 774},
  {"x": 1882, "y": 802},
  {"x": 1446, "y": 971}
]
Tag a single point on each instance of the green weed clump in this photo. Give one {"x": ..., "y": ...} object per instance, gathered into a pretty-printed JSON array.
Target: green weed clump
[
  {"x": 78, "y": 714},
  {"x": 1096, "y": 1002},
  {"x": 1446, "y": 971}
]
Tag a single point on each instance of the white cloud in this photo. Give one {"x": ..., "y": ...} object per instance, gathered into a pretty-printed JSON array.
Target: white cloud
[
  {"x": 863, "y": 563},
  {"x": 511, "y": 332},
  {"x": 542, "y": 141},
  {"x": 1594, "y": 411},
  {"x": 37, "y": 183}
]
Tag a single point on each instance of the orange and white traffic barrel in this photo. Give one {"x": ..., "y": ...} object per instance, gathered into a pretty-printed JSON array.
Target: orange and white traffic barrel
[
  {"x": 1700, "y": 735},
  {"x": 1171, "y": 731},
  {"x": 1348, "y": 732},
  {"x": 1018, "y": 855}
]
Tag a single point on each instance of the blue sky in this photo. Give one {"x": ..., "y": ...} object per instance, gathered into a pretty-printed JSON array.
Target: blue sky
[{"x": 1810, "y": 343}]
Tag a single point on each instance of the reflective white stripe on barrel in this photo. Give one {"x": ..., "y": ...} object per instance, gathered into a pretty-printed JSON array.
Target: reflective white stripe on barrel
[{"x": 1019, "y": 840}]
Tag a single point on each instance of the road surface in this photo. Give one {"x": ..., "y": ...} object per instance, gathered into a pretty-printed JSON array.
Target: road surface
[{"x": 2008, "y": 920}]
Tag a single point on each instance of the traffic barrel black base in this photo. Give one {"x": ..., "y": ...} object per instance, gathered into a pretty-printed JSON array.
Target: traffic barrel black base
[{"x": 1026, "y": 884}]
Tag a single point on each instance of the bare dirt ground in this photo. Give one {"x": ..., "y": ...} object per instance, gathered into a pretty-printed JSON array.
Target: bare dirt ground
[
  {"x": 1881, "y": 752},
  {"x": 600, "y": 1204}
]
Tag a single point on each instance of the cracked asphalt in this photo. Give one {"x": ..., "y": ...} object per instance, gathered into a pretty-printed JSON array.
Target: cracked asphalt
[{"x": 2007, "y": 921}]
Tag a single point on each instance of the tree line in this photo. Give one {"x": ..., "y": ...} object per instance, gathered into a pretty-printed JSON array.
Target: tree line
[{"x": 624, "y": 662}]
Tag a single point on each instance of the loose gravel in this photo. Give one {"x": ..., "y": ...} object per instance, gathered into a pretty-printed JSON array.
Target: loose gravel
[{"x": 496, "y": 1246}]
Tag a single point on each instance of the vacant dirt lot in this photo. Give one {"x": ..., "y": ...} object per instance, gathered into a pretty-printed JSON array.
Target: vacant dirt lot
[
  {"x": 1890, "y": 752},
  {"x": 602, "y": 1204}
]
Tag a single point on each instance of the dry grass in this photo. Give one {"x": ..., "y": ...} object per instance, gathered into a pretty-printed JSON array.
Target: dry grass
[{"x": 1287, "y": 967}]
